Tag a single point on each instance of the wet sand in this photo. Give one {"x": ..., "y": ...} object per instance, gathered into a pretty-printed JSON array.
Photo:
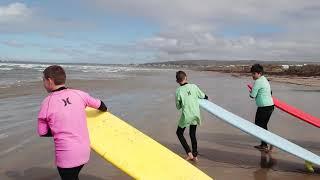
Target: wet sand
[
  {"x": 146, "y": 101},
  {"x": 307, "y": 81}
]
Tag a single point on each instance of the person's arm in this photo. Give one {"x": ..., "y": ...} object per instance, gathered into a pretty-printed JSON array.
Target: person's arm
[
  {"x": 92, "y": 102},
  {"x": 200, "y": 94},
  {"x": 255, "y": 90},
  {"x": 48, "y": 134},
  {"x": 178, "y": 100},
  {"x": 43, "y": 127}
]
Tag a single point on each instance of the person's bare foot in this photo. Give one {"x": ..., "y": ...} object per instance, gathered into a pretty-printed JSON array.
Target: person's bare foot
[
  {"x": 271, "y": 148},
  {"x": 189, "y": 157},
  {"x": 195, "y": 159}
]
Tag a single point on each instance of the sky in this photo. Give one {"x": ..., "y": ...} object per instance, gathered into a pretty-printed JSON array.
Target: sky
[{"x": 139, "y": 31}]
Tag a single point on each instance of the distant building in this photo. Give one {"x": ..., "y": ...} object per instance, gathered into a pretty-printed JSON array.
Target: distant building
[{"x": 285, "y": 66}]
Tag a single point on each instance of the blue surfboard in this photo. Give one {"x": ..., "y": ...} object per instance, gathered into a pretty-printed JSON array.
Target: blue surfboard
[{"x": 258, "y": 132}]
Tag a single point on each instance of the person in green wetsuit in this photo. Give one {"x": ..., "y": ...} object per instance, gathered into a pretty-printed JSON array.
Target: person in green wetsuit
[
  {"x": 261, "y": 92},
  {"x": 187, "y": 101}
]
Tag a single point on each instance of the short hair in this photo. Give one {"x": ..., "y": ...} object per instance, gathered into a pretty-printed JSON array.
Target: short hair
[
  {"x": 180, "y": 76},
  {"x": 56, "y": 73},
  {"x": 256, "y": 68}
]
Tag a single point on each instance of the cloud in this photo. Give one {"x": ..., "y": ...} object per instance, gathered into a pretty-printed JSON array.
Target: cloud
[
  {"x": 187, "y": 29},
  {"x": 20, "y": 18},
  {"x": 213, "y": 29},
  {"x": 204, "y": 45},
  {"x": 14, "y": 12},
  {"x": 13, "y": 43},
  {"x": 177, "y": 12}
]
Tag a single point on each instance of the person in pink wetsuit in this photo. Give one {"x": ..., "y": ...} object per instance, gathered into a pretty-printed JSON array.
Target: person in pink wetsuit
[{"x": 62, "y": 116}]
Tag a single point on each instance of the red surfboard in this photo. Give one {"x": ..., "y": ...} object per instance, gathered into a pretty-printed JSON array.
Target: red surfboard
[{"x": 295, "y": 111}]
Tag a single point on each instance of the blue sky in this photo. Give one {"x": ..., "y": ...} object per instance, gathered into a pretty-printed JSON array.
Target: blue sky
[{"x": 107, "y": 31}]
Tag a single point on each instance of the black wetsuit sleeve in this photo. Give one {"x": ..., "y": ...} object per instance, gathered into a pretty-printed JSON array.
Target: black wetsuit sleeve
[
  {"x": 206, "y": 97},
  {"x": 103, "y": 107},
  {"x": 49, "y": 134}
]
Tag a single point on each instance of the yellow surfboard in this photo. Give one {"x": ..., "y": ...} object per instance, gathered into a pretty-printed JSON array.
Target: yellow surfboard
[{"x": 135, "y": 153}]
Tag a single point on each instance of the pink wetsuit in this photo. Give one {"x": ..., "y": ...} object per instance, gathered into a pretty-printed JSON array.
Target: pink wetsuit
[{"x": 63, "y": 112}]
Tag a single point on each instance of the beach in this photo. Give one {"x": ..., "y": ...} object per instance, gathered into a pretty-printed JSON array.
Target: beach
[{"x": 145, "y": 99}]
